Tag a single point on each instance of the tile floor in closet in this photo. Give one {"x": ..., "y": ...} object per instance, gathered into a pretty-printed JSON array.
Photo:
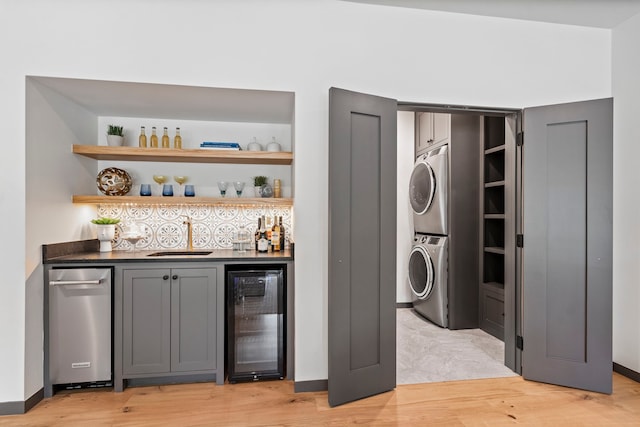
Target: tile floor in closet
[{"x": 428, "y": 353}]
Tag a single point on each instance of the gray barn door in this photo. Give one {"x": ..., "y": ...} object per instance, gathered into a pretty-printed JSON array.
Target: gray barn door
[
  {"x": 567, "y": 250},
  {"x": 362, "y": 245}
]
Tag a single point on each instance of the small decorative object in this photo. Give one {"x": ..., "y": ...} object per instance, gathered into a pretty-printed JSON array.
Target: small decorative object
[
  {"x": 253, "y": 145},
  {"x": 222, "y": 186},
  {"x": 258, "y": 182},
  {"x": 167, "y": 190},
  {"x": 266, "y": 191},
  {"x": 113, "y": 182},
  {"x": 273, "y": 145},
  {"x": 189, "y": 190},
  {"x": 115, "y": 136},
  {"x": 145, "y": 189},
  {"x": 239, "y": 186},
  {"x": 106, "y": 232},
  {"x": 277, "y": 193}
]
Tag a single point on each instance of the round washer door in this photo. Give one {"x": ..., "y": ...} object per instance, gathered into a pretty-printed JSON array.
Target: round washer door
[
  {"x": 422, "y": 187},
  {"x": 421, "y": 275}
]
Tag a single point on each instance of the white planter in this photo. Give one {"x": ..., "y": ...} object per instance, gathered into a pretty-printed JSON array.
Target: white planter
[
  {"x": 106, "y": 233},
  {"x": 256, "y": 191},
  {"x": 115, "y": 140}
]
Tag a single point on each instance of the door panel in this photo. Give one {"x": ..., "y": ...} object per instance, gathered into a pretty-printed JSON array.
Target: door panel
[
  {"x": 362, "y": 248},
  {"x": 567, "y": 201}
]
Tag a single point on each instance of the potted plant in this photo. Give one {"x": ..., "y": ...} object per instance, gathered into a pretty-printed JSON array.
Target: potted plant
[
  {"x": 115, "y": 135},
  {"x": 106, "y": 231},
  {"x": 258, "y": 182}
]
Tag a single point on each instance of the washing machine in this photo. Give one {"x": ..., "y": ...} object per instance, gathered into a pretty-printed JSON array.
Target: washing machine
[
  {"x": 428, "y": 266},
  {"x": 428, "y": 191}
]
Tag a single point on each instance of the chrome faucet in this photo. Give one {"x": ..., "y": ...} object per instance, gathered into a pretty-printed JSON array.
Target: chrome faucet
[{"x": 189, "y": 224}]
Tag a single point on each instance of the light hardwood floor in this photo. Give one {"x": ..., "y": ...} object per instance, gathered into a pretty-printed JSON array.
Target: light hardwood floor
[{"x": 485, "y": 402}]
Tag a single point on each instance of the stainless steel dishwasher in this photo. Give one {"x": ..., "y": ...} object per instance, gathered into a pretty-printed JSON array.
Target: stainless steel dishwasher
[{"x": 80, "y": 325}]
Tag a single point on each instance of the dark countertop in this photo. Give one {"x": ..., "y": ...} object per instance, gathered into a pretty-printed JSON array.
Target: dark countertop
[{"x": 86, "y": 252}]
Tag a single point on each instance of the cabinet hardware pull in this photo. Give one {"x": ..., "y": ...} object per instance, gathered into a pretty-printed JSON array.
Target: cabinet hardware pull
[
  {"x": 74, "y": 282},
  {"x": 165, "y": 277},
  {"x": 175, "y": 277}
]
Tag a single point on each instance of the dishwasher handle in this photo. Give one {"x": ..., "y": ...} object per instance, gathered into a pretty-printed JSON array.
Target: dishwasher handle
[{"x": 74, "y": 282}]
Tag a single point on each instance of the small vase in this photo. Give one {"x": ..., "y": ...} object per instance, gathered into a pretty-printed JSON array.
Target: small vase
[
  {"x": 106, "y": 233},
  {"x": 115, "y": 140},
  {"x": 256, "y": 191}
]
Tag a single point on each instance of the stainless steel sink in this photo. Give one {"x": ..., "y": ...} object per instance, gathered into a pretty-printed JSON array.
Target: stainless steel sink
[{"x": 179, "y": 253}]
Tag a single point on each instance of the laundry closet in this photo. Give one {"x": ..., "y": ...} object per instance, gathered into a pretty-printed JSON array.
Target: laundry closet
[{"x": 462, "y": 202}]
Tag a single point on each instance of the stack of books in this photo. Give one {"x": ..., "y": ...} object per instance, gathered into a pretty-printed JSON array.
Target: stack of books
[{"x": 209, "y": 145}]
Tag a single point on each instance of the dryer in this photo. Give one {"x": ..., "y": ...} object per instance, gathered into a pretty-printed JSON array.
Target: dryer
[
  {"x": 428, "y": 277},
  {"x": 428, "y": 191}
]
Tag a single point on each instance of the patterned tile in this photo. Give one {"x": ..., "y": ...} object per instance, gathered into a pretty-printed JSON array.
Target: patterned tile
[{"x": 214, "y": 227}]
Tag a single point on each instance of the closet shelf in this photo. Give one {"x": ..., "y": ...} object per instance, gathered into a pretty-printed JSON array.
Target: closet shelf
[
  {"x": 495, "y": 149},
  {"x": 494, "y": 216},
  {"x": 494, "y": 250},
  {"x": 494, "y": 184}
]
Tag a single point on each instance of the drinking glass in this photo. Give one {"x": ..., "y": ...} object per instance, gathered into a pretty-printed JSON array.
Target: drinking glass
[
  {"x": 160, "y": 179},
  {"x": 239, "y": 186},
  {"x": 180, "y": 180},
  {"x": 189, "y": 190},
  {"x": 145, "y": 189},
  {"x": 222, "y": 186}
]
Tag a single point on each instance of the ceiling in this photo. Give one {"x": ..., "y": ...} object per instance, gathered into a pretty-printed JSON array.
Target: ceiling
[{"x": 588, "y": 13}]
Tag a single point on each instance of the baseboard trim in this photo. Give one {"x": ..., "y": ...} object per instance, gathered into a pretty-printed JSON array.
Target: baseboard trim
[
  {"x": 21, "y": 407},
  {"x": 626, "y": 372},
  {"x": 306, "y": 386},
  {"x": 404, "y": 304}
]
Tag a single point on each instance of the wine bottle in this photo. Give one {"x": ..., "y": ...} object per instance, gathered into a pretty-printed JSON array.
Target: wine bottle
[
  {"x": 165, "y": 139},
  {"x": 275, "y": 236},
  {"x": 154, "y": 138},
  {"x": 177, "y": 140},
  {"x": 267, "y": 224},
  {"x": 142, "y": 139},
  {"x": 282, "y": 235},
  {"x": 263, "y": 243},
  {"x": 257, "y": 234}
]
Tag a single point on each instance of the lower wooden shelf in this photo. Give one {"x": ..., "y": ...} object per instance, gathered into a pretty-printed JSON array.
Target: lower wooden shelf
[{"x": 181, "y": 200}]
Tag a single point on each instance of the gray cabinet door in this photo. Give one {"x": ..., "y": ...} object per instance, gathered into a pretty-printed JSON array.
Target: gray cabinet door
[
  {"x": 146, "y": 321},
  {"x": 567, "y": 252},
  {"x": 362, "y": 245},
  {"x": 193, "y": 319}
]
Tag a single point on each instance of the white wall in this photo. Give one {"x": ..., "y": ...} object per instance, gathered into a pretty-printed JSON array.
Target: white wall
[
  {"x": 626, "y": 202},
  {"x": 300, "y": 46}
]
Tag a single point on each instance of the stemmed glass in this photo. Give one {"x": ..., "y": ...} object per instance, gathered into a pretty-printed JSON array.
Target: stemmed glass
[
  {"x": 180, "y": 180},
  {"x": 222, "y": 186},
  {"x": 239, "y": 186},
  {"x": 133, "y": 233},
  {"x": 160, "y": 179}
]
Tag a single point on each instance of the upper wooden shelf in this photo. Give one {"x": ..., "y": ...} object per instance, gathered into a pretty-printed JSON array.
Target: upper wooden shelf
[
  {"x": 181, "y": 200},
  {"x": 103, "y": 152}
]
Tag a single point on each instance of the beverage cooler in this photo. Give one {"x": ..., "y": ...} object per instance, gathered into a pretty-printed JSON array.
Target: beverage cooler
[{"x": 256, "y": 322}]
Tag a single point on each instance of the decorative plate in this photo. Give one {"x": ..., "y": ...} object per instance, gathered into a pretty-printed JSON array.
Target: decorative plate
[{"x": 113, "y": 182}]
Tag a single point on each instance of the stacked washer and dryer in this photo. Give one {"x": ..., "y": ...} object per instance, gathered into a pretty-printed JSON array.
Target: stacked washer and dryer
[{"x": 444, "y": 197}]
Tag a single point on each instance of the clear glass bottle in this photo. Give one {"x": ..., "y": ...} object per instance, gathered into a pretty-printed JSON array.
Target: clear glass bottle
[
  {"x": 177, "y": 140},
  {"x": 154, "y": 138},
  {"x": 165, "y": 139},
  {"x": 142, "y": 139}
]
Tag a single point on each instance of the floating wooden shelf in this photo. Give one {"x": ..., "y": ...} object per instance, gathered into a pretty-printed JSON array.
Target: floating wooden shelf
[
  {"x": 159, "y": 200},
  {"x": 102, "y": 152}
]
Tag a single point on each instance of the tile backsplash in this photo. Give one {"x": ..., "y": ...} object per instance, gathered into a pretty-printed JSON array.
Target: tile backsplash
[{"x": 213, "y": 226}]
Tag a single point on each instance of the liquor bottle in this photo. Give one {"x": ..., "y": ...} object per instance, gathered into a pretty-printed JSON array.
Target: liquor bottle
[
  {"x": 267, "y": 224},
  {"x": 275, "y": 236},
  {"x": 142, "y": 139},
  {"x": 177, "y": 140},
  {"x": 165, "y": 139},
  {"x": 282, "y": 235},
  {"x": 154, "y": 138},
  {"x": 263, "y": 243},
  {"x": 257, "y": 234}
]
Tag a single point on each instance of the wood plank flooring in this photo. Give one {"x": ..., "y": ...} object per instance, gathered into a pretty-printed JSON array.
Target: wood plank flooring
[{"x": 484, "y": 402}]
